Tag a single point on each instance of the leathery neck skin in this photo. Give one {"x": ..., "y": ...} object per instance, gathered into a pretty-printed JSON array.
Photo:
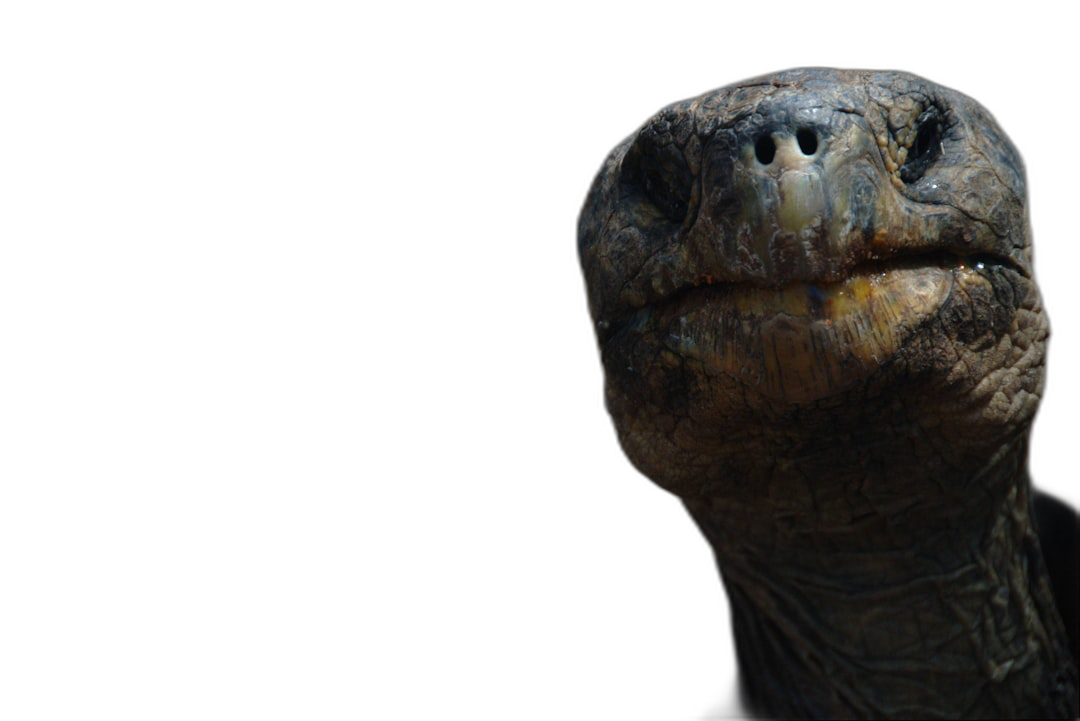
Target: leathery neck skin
[{"x": 903, "y": 613}]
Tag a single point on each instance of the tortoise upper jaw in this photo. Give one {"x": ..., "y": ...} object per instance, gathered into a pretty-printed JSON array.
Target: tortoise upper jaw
[
  {"x": 807, "y": 201},
  {"x": 814, "y": 220}
]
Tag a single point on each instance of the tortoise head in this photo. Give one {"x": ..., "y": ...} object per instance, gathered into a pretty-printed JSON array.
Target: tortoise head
[{"x": 797, "y": 266}]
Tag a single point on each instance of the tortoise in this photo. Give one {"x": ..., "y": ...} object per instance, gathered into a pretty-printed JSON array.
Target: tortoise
[{"x": 815, "y": 307}]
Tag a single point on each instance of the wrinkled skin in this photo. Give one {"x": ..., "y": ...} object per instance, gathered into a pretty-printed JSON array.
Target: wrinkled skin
[{"x": 814, "y": 301}]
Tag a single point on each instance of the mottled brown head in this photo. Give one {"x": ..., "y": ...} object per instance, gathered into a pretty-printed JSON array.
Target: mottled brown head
[{"x": 817, "y": 269}]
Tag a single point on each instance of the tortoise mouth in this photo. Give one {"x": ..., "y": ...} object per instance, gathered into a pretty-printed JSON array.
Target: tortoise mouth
[
  {"x": 933, "y": 259},
  {"x": 817, "y": 296},
  {"x": 803, "y": 341}
]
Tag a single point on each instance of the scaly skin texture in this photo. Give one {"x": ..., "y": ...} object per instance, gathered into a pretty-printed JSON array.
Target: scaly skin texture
[{"x": 816, "y": 314}]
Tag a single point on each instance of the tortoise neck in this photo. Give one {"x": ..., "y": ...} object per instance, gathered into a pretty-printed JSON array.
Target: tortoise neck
[{"x": 951, "y": 618}]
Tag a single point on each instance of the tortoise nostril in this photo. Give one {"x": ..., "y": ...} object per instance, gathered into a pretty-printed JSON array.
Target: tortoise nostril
[
  {"x": 765, "y": 149},
  {"x": 807, "y": 141}
]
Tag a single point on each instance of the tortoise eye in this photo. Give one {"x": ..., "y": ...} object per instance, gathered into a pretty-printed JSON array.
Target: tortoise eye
[
  {"x": 660, "y": 174},
  {"x": 926, "y": 148},
  {"x": 656, "y": 172},
  {"x": 667, "y": 188}
]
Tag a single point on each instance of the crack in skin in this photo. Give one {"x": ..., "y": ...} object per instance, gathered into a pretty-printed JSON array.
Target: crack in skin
[{"x": 837, "y": 370}]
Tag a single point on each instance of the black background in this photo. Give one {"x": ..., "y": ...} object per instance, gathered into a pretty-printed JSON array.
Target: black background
[{"x": 608, "y": 594}]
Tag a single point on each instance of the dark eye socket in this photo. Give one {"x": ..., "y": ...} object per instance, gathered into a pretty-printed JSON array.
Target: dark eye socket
[
  {"x": 927, "y": 139},
  {"x": 926, "y": 148},
  {"x": 667, "y": 188},
  {"x": 661, "y": 175}
]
